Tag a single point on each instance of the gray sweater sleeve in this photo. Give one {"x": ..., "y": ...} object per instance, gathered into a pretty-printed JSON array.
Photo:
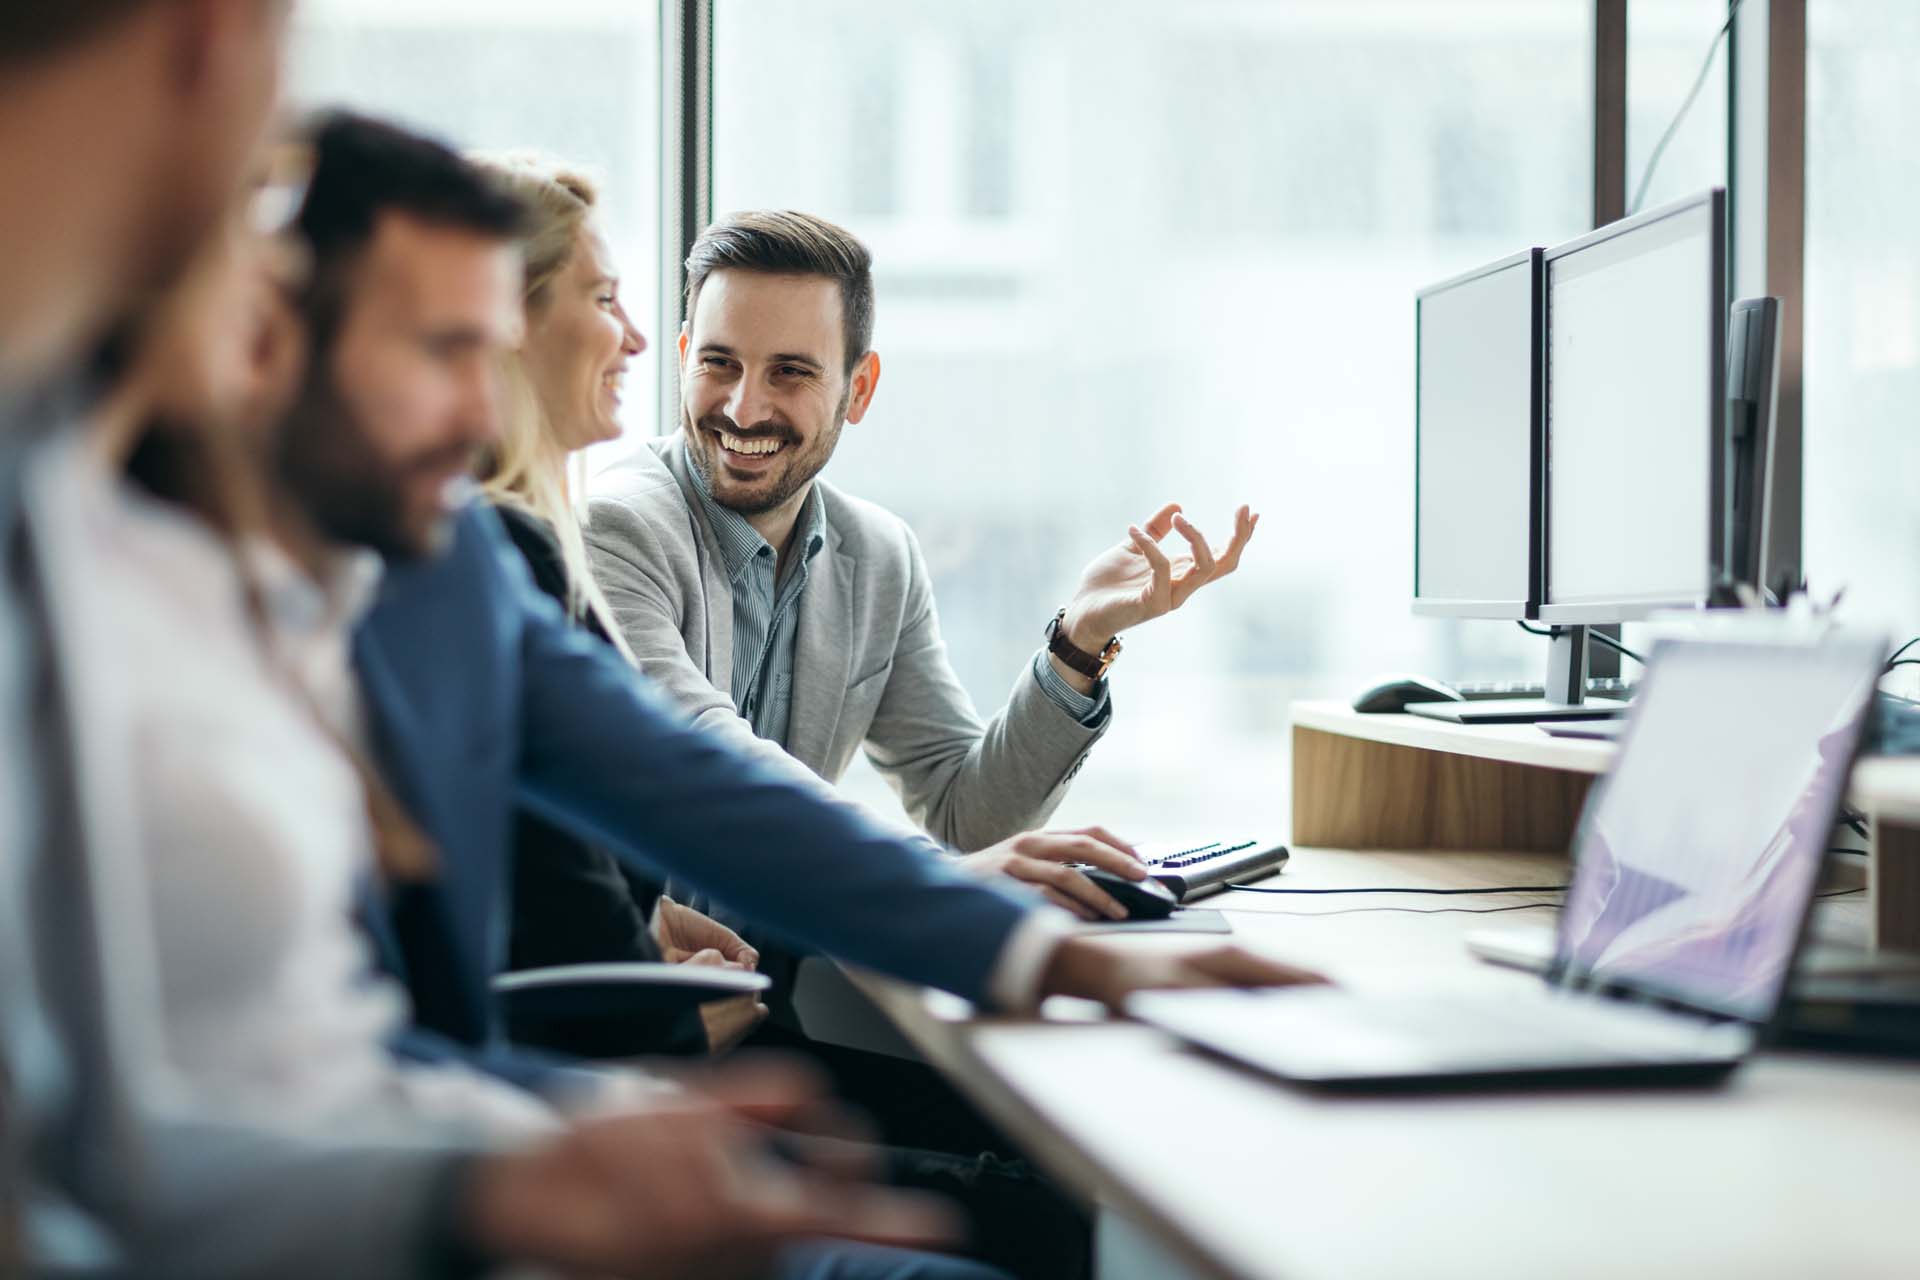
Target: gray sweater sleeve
[{"x": 970, "y": 784}]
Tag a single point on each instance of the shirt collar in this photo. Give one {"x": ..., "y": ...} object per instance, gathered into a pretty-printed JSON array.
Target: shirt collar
[
  {"x": 297, "y": 602},
  {"x": 740, "y": 542}
]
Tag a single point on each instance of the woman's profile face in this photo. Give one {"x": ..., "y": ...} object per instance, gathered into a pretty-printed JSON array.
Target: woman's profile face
[
  {"x": 205, "y": 355},
  {"x": 578, "y": 343}
]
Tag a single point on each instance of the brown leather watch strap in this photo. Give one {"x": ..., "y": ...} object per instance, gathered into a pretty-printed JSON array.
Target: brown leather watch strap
[{"x": 1091, "y": 665}]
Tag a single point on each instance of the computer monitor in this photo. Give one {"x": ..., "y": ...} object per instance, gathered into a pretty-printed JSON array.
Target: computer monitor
[
  {"x": 1635, "y": 411},
  {"x": 1477, "y": 441},
  {"x": 1479, "y": 343}
]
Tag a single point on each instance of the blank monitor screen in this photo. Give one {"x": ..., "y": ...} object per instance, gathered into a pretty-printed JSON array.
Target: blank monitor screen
[
  {"x": 1477, "y": 357},
  {"x": 1636, "y": 325}
]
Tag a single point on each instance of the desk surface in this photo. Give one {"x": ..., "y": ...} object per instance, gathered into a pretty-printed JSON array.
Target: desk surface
[{"x": 1801, "y": 1165}]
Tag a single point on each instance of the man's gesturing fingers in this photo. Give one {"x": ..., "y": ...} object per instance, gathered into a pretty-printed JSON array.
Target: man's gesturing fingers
[
  {"x": 1160, "y": 523},
  {"x": 1160, "y": 593},
  {"x": 1244, "y": 523}
]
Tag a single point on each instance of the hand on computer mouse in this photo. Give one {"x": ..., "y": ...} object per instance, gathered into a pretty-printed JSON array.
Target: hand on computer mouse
[
  {"x": 1146, "y": 899},
  {"x": 1098, "y": 968},
  {"x": 1041, "y": 858}
]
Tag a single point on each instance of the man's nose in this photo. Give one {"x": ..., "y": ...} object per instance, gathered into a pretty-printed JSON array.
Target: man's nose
[{"x": 747, "y": 405}]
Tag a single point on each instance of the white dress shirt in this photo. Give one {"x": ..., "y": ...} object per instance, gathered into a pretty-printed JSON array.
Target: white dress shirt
[{"x": 254, "y": 829}]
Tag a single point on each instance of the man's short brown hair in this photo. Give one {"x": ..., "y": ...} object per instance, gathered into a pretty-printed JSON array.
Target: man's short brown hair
[{"x": 784, "y": 243}]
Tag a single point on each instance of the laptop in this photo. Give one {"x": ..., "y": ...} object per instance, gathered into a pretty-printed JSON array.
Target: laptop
[{"x": 1695, "y": 869}]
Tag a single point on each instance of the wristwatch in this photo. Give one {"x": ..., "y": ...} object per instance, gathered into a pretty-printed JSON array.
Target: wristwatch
[{"x": 1092, "y": 666}]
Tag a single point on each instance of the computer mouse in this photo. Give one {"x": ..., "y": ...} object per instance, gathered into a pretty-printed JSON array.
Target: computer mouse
[
  {"x": 1395, "y": 692},
  {"x": 1144, "y": 899}
]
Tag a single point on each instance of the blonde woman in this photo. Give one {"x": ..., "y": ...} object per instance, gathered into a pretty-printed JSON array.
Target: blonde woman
[{"x": 573, "y": 903}]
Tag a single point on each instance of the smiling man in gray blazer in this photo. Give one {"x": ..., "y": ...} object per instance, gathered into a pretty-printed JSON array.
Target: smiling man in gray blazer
[{"x": 790, "y": 615}]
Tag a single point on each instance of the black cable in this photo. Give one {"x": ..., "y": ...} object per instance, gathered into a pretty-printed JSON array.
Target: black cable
[
  {"x": 1894, "y": 656},
  {"x": 1506, "y": 888},
  {"x": 1842, "y": 849},
  {"x": 1840, "y": 893},
  {"x": 1686, "y": 105},
  {"x": 1901, "y": 662},
  {"x": 1607, "y": 640},
  {"x": 1593, "y": 633},
  {"x": 1855, "y": 821}
]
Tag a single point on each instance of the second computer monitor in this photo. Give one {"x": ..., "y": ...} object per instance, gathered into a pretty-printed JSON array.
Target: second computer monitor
[
  {"x": 1476, "y": 415},
  {"x": 1635, "y": 376}
]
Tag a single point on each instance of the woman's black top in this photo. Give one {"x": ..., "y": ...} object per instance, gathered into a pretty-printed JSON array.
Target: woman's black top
[{"x": 574, "y": 903}]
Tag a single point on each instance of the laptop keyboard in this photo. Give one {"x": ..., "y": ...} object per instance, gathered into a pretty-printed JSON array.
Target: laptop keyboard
[{"x": 1530, "y": 1020}]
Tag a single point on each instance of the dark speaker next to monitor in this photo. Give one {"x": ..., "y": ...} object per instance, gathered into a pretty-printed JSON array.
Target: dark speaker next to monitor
[{"x": 1752, "y": 470}]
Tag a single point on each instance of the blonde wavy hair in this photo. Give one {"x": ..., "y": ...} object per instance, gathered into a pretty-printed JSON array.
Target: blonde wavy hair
[{"x": 529, "y": 469}]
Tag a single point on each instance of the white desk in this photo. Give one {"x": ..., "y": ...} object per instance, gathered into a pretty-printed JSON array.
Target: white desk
[{"x": 1801, "y": 1166}]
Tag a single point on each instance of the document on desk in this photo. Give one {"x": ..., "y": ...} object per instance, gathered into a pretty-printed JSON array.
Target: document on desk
[{"x": 1183, "y": 920}]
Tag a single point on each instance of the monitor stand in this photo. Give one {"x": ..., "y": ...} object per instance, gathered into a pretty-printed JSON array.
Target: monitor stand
[{"x": 1566, "y": 692}]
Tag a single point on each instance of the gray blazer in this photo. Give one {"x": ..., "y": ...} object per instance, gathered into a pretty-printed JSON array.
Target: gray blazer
[{"x": 869, "y": 665}]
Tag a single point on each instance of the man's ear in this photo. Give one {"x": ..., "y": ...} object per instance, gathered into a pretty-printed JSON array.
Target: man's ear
[
  {"x": 860, "y": 388},
  {"x": 683, "y": 344}
]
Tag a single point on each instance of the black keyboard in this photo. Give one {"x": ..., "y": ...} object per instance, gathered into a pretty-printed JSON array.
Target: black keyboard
[
  {"x": 1491, "y": 690},
  {"x": 1194, "y": 871}
]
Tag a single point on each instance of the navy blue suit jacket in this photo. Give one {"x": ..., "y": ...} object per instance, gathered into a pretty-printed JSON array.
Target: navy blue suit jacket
[{"x": 482, "y": 698}]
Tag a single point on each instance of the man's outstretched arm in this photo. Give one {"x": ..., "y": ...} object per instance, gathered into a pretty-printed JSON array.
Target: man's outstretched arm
[{"x": 606, "y": 756}]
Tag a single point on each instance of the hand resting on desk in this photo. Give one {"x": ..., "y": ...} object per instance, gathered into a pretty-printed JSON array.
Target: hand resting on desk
[{"x": 1109, "y": 971}]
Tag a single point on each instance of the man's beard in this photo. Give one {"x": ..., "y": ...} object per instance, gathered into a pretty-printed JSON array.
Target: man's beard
[
  {"x": 801, "y": 466},
  {"x": 326, "y": 461}
]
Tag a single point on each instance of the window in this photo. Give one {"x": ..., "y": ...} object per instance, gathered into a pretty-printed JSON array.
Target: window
[
  {"x": 575, "y": 79},
  {"x": 1136, "y": 252},
  {"x": 1862, "y": 362},
  {"x": 1667, "y": 40}
]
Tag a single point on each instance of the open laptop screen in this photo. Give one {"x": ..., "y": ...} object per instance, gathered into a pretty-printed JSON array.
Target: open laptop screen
[{"x": 1698, "y": 856}]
